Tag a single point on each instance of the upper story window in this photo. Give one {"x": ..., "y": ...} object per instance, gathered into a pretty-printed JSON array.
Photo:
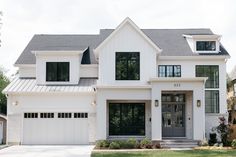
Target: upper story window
[
  {"x": 58, "y": 71},
  {"x": 206, "y": 45},
  {"x": 127, "y": 66},
  {"x": 210, "y": 71},
  {"x": 169, "y": 71}
]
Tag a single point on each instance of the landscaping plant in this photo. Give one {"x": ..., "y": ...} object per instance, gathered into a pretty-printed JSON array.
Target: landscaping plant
[
  {"x": 223, "y": 130},
  {"x": 233, "y": 144}
]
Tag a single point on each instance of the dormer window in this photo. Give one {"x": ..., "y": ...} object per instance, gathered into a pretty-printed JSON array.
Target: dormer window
[
  {"x": 57, "y": 71},
  {"x": 206, "y": 45}
]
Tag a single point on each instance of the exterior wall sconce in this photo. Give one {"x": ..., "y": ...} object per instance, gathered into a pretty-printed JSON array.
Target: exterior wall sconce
[
  {"x": 198, "y": 103},
  {"x": 156, "y": 103},
  {"x": 93, "y": 103},
  {"x": 15, "y": 103}
]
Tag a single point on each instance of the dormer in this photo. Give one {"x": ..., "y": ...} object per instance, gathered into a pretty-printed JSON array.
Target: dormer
[
  {"x": 204, "y": 43},
  {"x": 58, "y": 67}
]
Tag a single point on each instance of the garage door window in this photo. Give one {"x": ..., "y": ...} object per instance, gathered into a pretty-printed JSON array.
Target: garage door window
[
  {"x": 80, "y": 115},
  {"x": 64, "y": 115},
  {"x": 30, "y": 115},
  {"x": 46, "y": 115}
]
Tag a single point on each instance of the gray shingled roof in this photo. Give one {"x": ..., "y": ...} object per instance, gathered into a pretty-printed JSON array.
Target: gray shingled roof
[{"x": 171, "y": 41}]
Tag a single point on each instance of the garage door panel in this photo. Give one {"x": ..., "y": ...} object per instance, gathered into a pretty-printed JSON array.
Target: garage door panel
[{"x": 55, "y": 130}]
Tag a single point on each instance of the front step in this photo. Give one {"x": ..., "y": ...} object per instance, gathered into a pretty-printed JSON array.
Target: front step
[{"x": 183, "y": 143}]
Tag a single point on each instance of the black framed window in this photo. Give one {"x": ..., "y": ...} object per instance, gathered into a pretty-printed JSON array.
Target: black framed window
[
  {"x": 46, "y": 115},
  {"x": 30, "y": 115},
  {"x": 210, "y": 71},
  {"x": 126, "y": 119},
  {"x": 64, "y": 115},
  {"x": 212, "y": 101},
  {"x": 58, "y": 71},
  {"x": 169, "y": 71},
  {"x": 206, "y": 45},
  {"x": 80, "y": 115},
  {"x": 127, "y": 66}
]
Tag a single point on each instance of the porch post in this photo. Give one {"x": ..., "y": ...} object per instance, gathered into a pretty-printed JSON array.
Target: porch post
[
  {"x": 156, "y": 114},
  {"x": 198, "y": 114}
]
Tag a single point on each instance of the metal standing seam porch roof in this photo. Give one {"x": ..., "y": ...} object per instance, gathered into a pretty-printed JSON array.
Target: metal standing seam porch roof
[
  {"x": 171, "y": 41},
  {"x": 30, "y": 86}
]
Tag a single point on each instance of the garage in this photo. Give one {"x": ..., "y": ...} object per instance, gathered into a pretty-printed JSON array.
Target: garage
[{"x": 55, "y": 128}]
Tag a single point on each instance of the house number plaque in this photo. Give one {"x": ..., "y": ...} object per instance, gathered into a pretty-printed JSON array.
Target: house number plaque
[{"x": 177, "y": 85}]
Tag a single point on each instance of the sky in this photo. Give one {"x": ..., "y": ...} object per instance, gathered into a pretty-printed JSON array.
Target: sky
[{"x": 23, "y": 18}]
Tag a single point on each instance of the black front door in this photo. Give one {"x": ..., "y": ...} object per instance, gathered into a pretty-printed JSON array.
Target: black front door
[{"x": 173, "y": 119}]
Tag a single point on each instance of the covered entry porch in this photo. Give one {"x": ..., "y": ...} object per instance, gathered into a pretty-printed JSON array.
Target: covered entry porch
[{"x": 178, "y": 108}]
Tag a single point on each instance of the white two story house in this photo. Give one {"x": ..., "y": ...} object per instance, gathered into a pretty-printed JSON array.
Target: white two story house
[{"x": 120, "y": 83}]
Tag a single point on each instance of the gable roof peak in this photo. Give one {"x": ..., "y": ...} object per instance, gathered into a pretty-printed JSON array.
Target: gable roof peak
[{"x": 121, "y": 25}]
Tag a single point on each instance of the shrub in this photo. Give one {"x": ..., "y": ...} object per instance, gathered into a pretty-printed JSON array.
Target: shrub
[
  {"x": 114, "y": 145},
  {"x": 131, "y": 143},
  {"x": 223, "y": 130},
  {"x": 146, "y": 143},
  {"x": 233, "y": 143},
  {"x": 102, "y": 144},
  {"x": 234, "y": 121},
  {"x": 212, "y": 139},
  {"x": 203, "y": 143}
]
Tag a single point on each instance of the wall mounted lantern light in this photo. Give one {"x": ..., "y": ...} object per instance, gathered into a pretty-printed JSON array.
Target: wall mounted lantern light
[
  {"x": 156, "y": 103},
  {"x": 15, "y": 103},
  {"x": 93, "y": 103},
  {"x": 198, "y": 103}
]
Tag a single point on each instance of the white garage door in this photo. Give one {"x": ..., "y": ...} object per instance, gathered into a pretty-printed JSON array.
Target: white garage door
[{"x": 55, "y": 128}]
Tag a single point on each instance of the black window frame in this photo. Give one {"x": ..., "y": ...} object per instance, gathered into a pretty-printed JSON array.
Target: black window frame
[
  {"x": 163, "y": 71},
  {"x": 56, "y": 73},
  {"x": 212, "y": 104},
  {"x": 208, "y": 69},
  {"x": 30, "y": 115},
  {"x": 134, "y": 127},
  {"x": 128, "y": 56},
  {"x": 46, "y": 115},
  {"x": 205, "y": 46}
]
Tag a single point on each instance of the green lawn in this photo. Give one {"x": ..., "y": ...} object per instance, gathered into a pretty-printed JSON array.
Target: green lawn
[{"x": 169, "y": 153}]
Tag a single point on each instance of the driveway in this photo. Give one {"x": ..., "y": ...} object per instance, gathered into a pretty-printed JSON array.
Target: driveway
[{"x": 47, "y": 151}]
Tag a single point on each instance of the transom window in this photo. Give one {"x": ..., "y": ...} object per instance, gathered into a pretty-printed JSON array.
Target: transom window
[
  {"x": 169, "y": 71},
  {"x": 126, "y": 119},
  {"x": 206, "y": 45},
  {"x": 210, "y": 71},
  {"x": 58, "y": 71},
  {"x": 127, "y": 66},
  {"x": 30, "y": 115},
  {"x": 212, "y": 101},
  {"x": 173, "y": 98},
  {"x": 46, "y": 115},
  {"x": 64, "y": 115},
  {"x": 80, "y": 115}
]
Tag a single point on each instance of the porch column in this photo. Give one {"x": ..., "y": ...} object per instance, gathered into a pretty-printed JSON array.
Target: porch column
[
  {"x": 199, "y": 114},
  {"x": 156, "y": 120},
  {"x": 101, "y": 119}
]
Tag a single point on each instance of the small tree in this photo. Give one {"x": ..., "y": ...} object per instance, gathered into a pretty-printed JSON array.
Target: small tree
[
  {"x": 223, "y": 130},
  {"x": 4, "y": 81}
]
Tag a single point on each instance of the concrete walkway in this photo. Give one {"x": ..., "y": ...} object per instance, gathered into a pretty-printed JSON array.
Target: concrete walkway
[{"x": 47, "y": 151}]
